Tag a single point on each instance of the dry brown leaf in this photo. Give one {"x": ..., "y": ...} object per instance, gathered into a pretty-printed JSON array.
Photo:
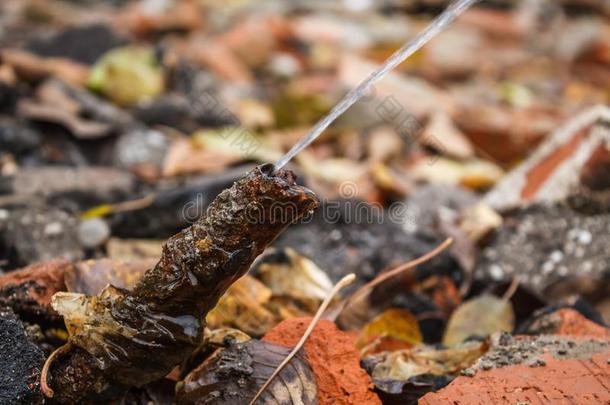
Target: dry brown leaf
[
  {"x": 243, "y": 307},
  {"x": 91, "y": 276},
  {"x": 145, "y": 19},
  {"x": 253, "y": 113},
  {"x": 79, "y": 127},
  {"x": 128, "y": 249},
  {"x": 184, "y": 157},
  {"x": 32, "y": 67},
  {"x": 219, "y": 337},
  {"x": 442, "y": 135},
  {"x": 221, "y": 60},
  {"x": 233, "y": 375},
  {"x": 405, "y": 364},
  {"x": 479, "y": 221},
  {"x": 295, "y": 276}
]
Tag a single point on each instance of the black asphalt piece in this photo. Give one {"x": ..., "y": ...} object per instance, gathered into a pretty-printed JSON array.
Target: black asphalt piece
[{"x": 20, "y": 361}]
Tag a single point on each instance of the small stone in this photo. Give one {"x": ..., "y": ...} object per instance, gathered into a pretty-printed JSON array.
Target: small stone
[
  {"x": 470, "y": 372},
  {"x": 585, "y": 237},
  {"x": 486, "y": 365},
  {"x": 93, "y": 232},
  {"x": 496, "y": 272},
  {"x": 54, "y": 228},
  {"x": 556, "y": 256},
  {"x": 537, "y": 363},
  {"x": 504, "y": 339}
]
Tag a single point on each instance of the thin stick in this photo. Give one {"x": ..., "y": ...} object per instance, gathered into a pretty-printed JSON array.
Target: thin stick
[
  {"x": 512, "y": 289},
  {"x": 44, "y": 374},
  {"x": 439, "y": 24},
  {"x": 389, "y": 274},
  {"x": 341, "y": 284}
]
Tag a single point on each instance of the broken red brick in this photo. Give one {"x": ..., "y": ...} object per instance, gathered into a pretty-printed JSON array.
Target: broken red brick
[
  {"x": 567, "y": 322},
  {"x": 41, "y": 280},
  {"x": 543, "y": 369},
  {"x": 572, "y": 323},
  {"x": 556, "y": 381},
  {"x": 334, "y": 361},
  {"x": 576, "y": 154}
]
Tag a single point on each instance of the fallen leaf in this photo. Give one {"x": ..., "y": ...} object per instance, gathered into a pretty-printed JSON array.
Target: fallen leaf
[
  {"x": 335, "y": 170},
  {"x": 184, "y": 157},
  {"x": 127, "y": 76},
  {"x": 91, "y": 276},
  {"x": 239, "y": 142},
  {"x": 480, "y": 316},
  {"x": 33, "y": 68},
  {"x": 81, "y": 128},
  {"x": 391, "y": 330},
  {"x": 128, "y": 249},
  {"x": 503, "y": 133},
  {"x": 405, "y": 364},
  {"x": 243, "y": 307},
  {"x": 475, "y": 173},
  {"x": 220, "y": 59},
  {"x": 220, "y": 337},
  {"x": 442, "y": 135},
  {"x": 478, "y": 221},
  {"x": 212, "y": 151},
  {"x": 232, "y": 376},
  {"x": 149, "y": 18},
  {"x": 253, "y": 113},
  {"x": 400, "y": 96},
  {"x": 290, "y": 274},
  {"x": 404, "y": 376}
]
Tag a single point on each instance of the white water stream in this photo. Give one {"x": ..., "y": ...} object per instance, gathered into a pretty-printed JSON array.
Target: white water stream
[{"x": 439, "y": 24}]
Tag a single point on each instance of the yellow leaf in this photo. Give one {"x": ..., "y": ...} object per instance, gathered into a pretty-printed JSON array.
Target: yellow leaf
[
  {"x": 480, "y": 316},
  {"x": 127, "y": 75},
  {"x": 392, "y": 329},
  {"x": 243, "y": 307}
]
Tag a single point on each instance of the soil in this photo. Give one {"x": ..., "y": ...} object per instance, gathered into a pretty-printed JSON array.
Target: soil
[
  {"x": 21, "y": 362},
  {"x": 340, "y": 244},
  {"x": 544, "y": 244}
]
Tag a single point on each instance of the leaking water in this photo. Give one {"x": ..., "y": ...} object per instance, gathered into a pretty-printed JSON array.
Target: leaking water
[{"x": 408, "y": 49}]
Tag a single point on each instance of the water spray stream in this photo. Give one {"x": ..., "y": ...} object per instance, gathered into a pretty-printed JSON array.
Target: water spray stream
[{"x": 408, "y": 49}]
